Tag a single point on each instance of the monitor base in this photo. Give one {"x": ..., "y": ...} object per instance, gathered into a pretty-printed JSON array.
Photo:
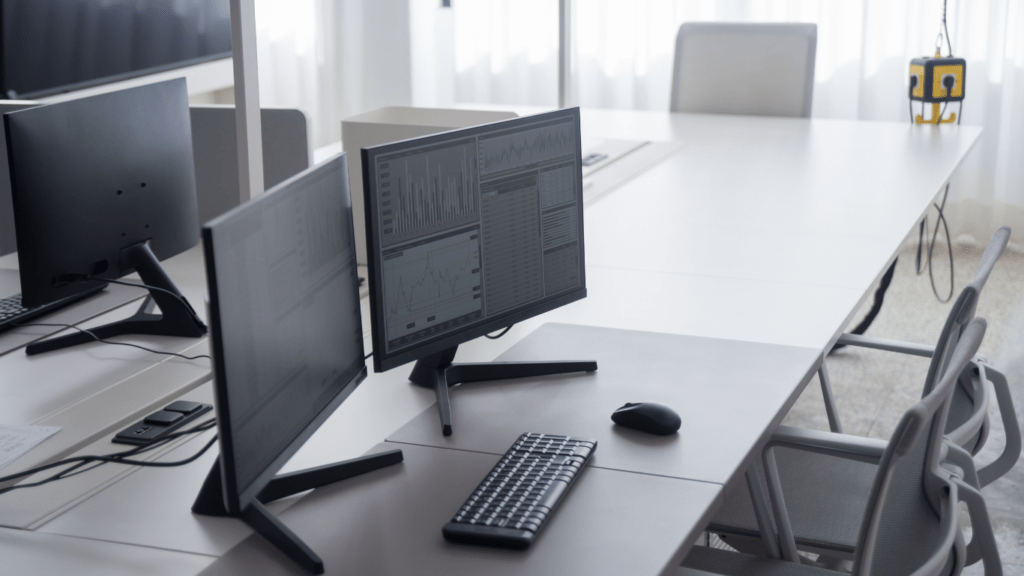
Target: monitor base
[
  {"x": 176, "y": 318},
  {"x": 210, "y": 502},
  {"x": 437, "y": 371}
]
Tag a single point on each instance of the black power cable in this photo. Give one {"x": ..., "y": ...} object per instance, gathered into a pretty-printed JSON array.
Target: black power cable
[
  {"x": 499, "y": 335},
  {"x": 177, "y": 297},
  {"x": 943, "y": 33},
  {"x": 116, "y": 458},
  {"x": 98, "y": 339}
]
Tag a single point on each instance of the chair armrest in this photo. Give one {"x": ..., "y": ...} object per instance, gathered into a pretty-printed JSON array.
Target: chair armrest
[
  {"x": 950, "y": 529},
  {"x": 969, "y": 428},
  {"x": 983, "y": 541},
  {"x": 886, "y": 344},
  {"x": 840, "y": 445},
  {"x": 963, "y": 461},
  {"x": 1011, "y": 452}
]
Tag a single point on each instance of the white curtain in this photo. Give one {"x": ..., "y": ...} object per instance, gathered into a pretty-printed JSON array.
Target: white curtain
[
  {"x": 300, "y": 54},
  {"x": 506, "y": 53}
]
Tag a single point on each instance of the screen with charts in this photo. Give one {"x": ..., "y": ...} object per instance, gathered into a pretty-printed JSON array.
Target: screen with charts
[
  {"x": 473, "y": 226},
  {"x": 287, "y": 324}
]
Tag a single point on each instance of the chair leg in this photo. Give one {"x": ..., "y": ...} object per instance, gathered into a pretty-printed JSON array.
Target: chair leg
[{"x": 830, "y": 402}]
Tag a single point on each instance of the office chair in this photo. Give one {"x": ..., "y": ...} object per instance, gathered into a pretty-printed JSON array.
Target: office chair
[
  {"x": 752, "y": 69},
  {"x": 827, "y": 521},
  {"x": 968, "y": 422},
  {"x": 908, "y": 522}
]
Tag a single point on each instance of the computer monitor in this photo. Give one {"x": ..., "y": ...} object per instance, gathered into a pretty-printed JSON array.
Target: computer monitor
[
  {"x": 287, "y": 343},
  {"x": 103, "y": 186},
  {"x": 468, "y": 232}
]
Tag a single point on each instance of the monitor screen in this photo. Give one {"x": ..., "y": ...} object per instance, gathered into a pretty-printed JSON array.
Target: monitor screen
[
  {"x": 52, "y": 46},
  {"x": 472, "y": 230},
  {"x": 285, "y": 323}
]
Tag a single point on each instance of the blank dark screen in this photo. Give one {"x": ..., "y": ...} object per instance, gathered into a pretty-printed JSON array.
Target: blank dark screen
[
  {"x": 50, "y": 44},
  {"x": 288, "y": 297}
]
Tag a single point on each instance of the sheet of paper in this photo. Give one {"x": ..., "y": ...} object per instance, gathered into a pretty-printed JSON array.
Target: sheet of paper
[{"x": 16, "y": 440}]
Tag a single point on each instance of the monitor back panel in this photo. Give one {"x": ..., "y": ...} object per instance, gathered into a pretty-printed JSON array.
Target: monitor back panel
[{"x": 92, "y": 176}]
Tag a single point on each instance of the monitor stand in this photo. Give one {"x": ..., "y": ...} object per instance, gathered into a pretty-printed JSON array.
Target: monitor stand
[
  {"x": 437, "y": 371},
  {"x": 176, "y": 318},
  {"x": 210, "y": 502}
]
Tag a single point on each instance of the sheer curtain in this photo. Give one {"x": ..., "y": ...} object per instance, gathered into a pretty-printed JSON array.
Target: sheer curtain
[{"x": 506, "y": 52}]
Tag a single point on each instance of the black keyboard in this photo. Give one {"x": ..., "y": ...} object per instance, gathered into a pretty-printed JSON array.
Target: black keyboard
[
  {"x": 512, "y": 503},
  {"x": 13, "y": 313}
]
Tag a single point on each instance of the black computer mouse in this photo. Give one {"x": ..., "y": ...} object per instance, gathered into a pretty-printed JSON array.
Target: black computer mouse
[{"x": 650, "y": 417}]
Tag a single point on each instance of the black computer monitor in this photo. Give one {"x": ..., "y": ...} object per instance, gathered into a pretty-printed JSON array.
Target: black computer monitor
[
  {"x": 468, "y": 232},
  {"x": 287, "y": 344},
  {"x": 103, "y": 186}
]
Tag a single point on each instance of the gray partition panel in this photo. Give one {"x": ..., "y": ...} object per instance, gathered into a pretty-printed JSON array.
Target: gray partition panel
[
  {"x": 215, "y": 150},
  {"x": 729, "y": 394},
  {"x": 389, "y": 522},
  {"x": 8, "y": 242},
  {"x": 108, "y": 299}
]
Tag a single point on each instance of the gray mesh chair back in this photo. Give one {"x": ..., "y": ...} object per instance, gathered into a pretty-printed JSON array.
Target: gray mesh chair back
[
  {"x": 754, "y": 69},
  {"x": 910, "y": 520},
  {"x": 967, "y": 422},
  {"x": 965, "y": 307}
]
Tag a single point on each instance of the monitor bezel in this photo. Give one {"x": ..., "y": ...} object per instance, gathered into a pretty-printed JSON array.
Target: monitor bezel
[
  {"x": 382, "y": 360},
  {"x": 236, "y": 498}
]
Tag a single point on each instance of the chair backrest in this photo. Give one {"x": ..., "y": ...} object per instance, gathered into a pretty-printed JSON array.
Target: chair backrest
[
  {"x": 754, "y": 69},
  {"x": 959, "y": 317},
  {"x": 961, "y": 314},
  {"x": 993, "y": 252},
  {"x": 215, "y": 151},
  {"x": 910, "y": 521}
]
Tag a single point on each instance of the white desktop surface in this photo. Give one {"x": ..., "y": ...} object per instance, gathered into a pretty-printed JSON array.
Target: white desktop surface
[{"x": 737, "y": 235}]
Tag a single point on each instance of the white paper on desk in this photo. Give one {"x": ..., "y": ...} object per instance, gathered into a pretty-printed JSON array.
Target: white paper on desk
[{"x": 16, "y": 440}]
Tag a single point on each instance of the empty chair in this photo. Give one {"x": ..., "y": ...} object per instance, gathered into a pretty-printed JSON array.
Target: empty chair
[
  {"x": 827, "y": 522},
  {"x": 908, "y": 521},
  {"x": 754, "y": 69},
  {"x": 968, "y": 422}
]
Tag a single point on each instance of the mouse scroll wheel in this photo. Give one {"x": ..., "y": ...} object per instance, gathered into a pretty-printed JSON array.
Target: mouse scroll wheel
[{"x": 629, "y": 404}]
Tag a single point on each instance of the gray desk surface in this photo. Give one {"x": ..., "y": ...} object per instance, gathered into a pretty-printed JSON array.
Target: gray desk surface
[
  {"x": 729, "y": 395},
  {"x": 389, "y": 522}
]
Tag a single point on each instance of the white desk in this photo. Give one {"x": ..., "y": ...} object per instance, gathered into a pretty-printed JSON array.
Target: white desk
[{"x": 736, "y": 236}]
